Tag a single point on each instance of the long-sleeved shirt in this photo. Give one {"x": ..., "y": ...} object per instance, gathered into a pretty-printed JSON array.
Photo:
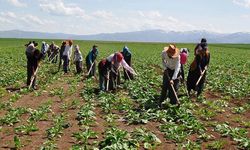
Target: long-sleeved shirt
[
  {"x": 171, "y": 63},
  {"x": 117, "y": 64},
  {"x": 202, "y": 60},
  {"x": 45, "y": 47},
  {"x": 77, "y": 56},
  {"x": 67, "y": 51},
  {"x": 91, "y": 56}
]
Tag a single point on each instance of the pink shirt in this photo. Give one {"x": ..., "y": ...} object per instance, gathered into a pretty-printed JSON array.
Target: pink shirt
[{"x": 183, "y": 58}]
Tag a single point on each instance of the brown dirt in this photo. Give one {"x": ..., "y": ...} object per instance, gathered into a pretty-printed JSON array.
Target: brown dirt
[{"x": 35, "y": 139}]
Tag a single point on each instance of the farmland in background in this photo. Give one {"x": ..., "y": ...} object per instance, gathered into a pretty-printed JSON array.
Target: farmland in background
[{"x": 67, "y": 112}]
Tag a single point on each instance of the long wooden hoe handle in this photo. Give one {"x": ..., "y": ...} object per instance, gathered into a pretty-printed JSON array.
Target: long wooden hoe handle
[
  {"x": 53, "y": 58},
  {"x": 175, "y": 93},
  {"x": 127, "y": 74},
  {"x": 107, "y": 88},
  {"x": 90, "y": 68},
  {"x": 203, "y": 72},
  {"x": 33, "y": 77}
]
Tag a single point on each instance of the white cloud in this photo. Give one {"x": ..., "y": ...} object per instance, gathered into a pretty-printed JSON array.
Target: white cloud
[
  {"x": 245, "y": 16},
  {"x": 5, "y": 20},
  {"x": 31, "y": 19},
  {"x": 8, "y": 14},
  {"x": 244, "y": 3},
  {"x": 99, "y": 21},
  {"x": 103, "y": 14},
  {"x": 150, "y": 14},
  {"x": 26, "y": 20},
  {"x": 17, "y": 3},
  {"x": 109, "y": 22},
  {"x": 58, "y": 7}
]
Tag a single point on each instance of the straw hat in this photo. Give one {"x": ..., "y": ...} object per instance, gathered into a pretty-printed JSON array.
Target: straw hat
[{"x": 172, "y": 51}]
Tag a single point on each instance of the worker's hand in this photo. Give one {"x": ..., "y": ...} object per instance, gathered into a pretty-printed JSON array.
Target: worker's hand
[
  {"x": 171, "y": 82},
  {"x": 206, "y": 68},
  {"x": 106, "y": 77},
  {"x": 202, "y": 72}
]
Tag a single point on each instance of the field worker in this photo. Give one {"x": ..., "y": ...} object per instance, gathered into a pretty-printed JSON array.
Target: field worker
[
  {"x": 184, "y": 52},
  {"x": 171, "y": 66},
  {"x": 202, "y": 44},
  {"x": 37, "y": 56},
  {"x": 30, "y": 48},
  {"x": 33, "y": 57},
  {"x": 44, "y": 49},
  {"x": 54, "y": 52},
  {"x": 108, "y": 70},
  {"x": 67, "y": 55},
  {"x": 90, "y": 61},
  {"x": 127, "y": 57},
  {"x": 78, "y": 59},
  {"x": 61, "y": 54},
  {"x": 197, "y": 70}
]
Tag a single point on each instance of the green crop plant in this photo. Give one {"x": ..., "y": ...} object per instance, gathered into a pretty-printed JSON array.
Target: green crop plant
[
  {"x": 26, "y": 129},
  {"x": 82, "y": 137},
  {"x": 59, "y": 123},
  {"x": 216, "y": 145},
  {"x": 150, "y": 140},
  {"x": 13, "y": 116},
  {"x": 191, "y": 146},
  {"x": 17, "y": 142},
  {"x": 118, "y": 140},
  {"x": 49, "y": 145},
  {"x": 172, "y": 131},
  {"x": 40, "y": 113},
  {"x": 86, "y": 115}
]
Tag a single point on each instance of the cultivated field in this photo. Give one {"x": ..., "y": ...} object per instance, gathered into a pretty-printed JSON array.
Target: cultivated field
[{"x": 68, "y": 112}]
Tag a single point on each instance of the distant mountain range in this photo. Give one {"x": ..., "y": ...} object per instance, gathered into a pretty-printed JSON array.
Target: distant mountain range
[{"x": 139, "y": 36}]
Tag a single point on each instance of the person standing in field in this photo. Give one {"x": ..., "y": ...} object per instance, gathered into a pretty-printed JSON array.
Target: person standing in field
[
  {"x": 183, "y": 60},
  {"x": 37, "y": 56},
  {"x": 127, "y": 57},
  {"x": 108, "y": 71},
  {"x": 61, "y": 54},
  {"x": 30, "y": 48},
  {"x": 33, "y": 57},
  {"x": 198, "y": 69},
  {"x": 78, "y": 59},
  {"x": 67, "y": 55},
  {"x": 44, "y": 49},
  {"x": 171, "y": 65},
  {"x": 90, "y": 61}
]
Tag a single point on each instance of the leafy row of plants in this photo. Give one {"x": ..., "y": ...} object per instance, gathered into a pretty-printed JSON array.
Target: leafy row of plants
[{"x": 237, "y": 134}]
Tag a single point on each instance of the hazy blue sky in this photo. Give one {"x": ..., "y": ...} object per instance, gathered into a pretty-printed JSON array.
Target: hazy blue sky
[{"x": 108, "y": 16}]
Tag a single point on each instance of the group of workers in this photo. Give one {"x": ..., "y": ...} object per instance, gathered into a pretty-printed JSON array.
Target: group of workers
[{"x": 173, "y": 61}]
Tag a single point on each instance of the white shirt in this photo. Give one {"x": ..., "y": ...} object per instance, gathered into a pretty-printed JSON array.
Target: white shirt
[
  {"x": 171, "y": 63},
  {"x": 122, "y": 63},
  {"x": 77, "y": 56},
  {"x": 67, "y": 51}
]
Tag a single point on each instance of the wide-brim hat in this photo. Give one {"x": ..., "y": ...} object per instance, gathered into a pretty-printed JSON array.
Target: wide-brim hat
[{"x": 172, "y": 50}]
